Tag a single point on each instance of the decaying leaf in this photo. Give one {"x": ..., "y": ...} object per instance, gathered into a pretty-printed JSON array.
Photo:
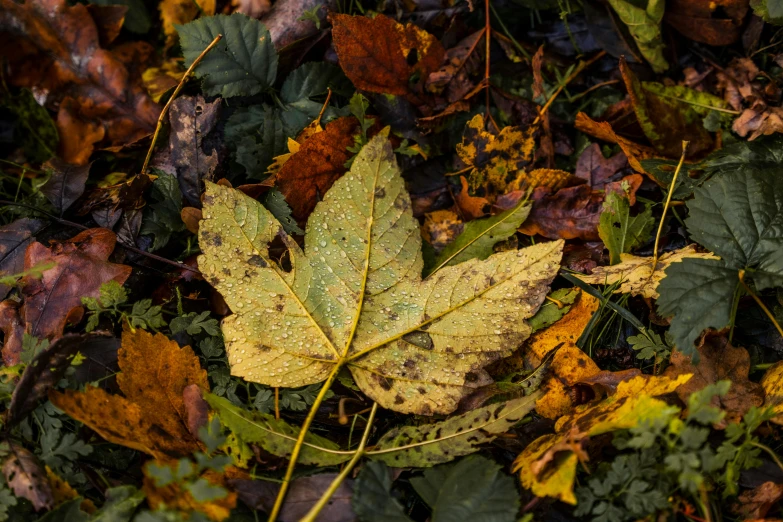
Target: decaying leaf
[
  {"x": 80, "y": 268},
  {"x": 718, "y": 360},
  {"x": 772, "y": 382},
  {"x": 634, "y": 274},
  {"x": 570, "y": 364},
  {"x": 309, "y": 173},
  {"x": 547, "y": 466},
  {"x": 58, "y": 50},
  {"x": 383, "y": 56},
  {"x": 151, "y": 416},
  {"x": 355, "y": 297}
]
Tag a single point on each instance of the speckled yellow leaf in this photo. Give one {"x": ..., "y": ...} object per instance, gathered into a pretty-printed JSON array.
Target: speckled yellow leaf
[
  {"x": 773, "y": 388},
  {"x": 547, "y": 466},
  {"x": 354, "y": 295},
  {"x": 634, "y": 273},
  {"x": 570, "y": 364},
  {"x": 495, "y": 160}
]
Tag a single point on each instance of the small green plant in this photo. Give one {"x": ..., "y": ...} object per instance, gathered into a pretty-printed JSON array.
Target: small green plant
[{"x": 113, "y": 301}]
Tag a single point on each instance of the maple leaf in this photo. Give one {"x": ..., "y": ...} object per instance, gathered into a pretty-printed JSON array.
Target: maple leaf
[
  {"x": 380, "y": 55},
  {"x": 58, "y": 52},
  {"x": 354, "y": 297},
  {"x": 151, "y": 416}
]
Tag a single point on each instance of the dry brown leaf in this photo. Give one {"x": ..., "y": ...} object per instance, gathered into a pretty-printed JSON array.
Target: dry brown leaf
[
  {"x": 570, "y": 364},
  {"x": 57, "y": 52},
  {"x": 718, "y": 360},
  {"x": 380, "y": 55},
  {"x": 152, "y": 416},
  {"x": 309, "y": 173}
]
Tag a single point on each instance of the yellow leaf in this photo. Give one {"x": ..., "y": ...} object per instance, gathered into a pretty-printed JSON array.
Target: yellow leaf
[
  {"x": 635, "y": 273},
  {"x": 547, "y": 466},
  {"x": 354, "y": 296},
  {"x": 151, "y": 417}
]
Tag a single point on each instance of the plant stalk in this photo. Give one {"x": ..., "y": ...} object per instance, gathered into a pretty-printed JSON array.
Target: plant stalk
[{"x": 332, "y": 489}]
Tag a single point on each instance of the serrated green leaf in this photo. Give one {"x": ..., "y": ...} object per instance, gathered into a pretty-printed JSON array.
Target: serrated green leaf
[
  {"x": 275, "y": 435},
  {"x": 620, "y": 231},
  {"x": 372, "y": 500},
  {"x": 644, "y": 23},
  {"x": 431, "y": 444},
  {"x": 355, "y": 297},
  {"x": 243, "y": 63},
  {"x": 480, "y": 236},
  {"x": 475, "y": 488}
]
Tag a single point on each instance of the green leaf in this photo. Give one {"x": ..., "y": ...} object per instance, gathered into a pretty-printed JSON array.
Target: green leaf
[
  {"x": 620, "y": 231},
  {"x": 275, "y": 435},
  {"x": 372, "y": 499},
  {"x": 479, "y": 236},
  {"x": 275, "y": 202},
  {"x": 354, "y": 296},
  {"x": 643, "y": 19},
  {"x": 436, "y": 443},
  {"x": 243, "y": 63},
  {"x": 475, "y": 488}
]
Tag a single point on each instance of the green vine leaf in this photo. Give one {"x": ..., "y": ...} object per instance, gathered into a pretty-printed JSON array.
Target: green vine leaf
[{"x": 354, "y": 296}]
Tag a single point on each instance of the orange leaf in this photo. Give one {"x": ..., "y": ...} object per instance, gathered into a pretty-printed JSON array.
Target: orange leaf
[
  {"x": 152, "y": 416},
  {"x": 376, "y": 54}
]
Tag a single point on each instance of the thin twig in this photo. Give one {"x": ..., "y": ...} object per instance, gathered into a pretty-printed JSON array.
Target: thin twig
[
  {"x": 332, "y": 489},
  {"x": 759, "y": 302},
  {"x": 581, "y": 67},
  {"x": 666, "y": 206},
  {"x": 82, "y": 227},
  {"x": 174, "y": 95}
]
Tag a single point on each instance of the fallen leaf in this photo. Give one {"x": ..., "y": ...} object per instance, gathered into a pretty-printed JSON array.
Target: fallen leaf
[
  {"x": 547, "y": 466},
  {"x": 570, "y": 364},
  {"x": 58, "y": 51},
  {"x": 66, "y": 183},
  {"x": 80, "y": 268},
  {"x": 635, "y": 273},
  {"x": 376, "y": 54},
  {"x": 320, "y": 161},
  {"x": 755, "y": 503},
  {"x": 15, "y": 237},
  {"x": 151, "y": 416},
  {"x": 670, "y": 115},
  {"x": 191, "y": 119},
  {"x": 26, "y": 478},
  {"x": 772, "y": 382},
  {"x": 718, "y": 360},
  {"x": 366, "y": 216}
]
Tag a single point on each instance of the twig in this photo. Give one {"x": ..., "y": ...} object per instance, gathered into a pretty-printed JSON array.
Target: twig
[
  {"x": 82, "y": 227},
  {"x": 666, "y": 206},
  {"x": 174, "y": 95},
  {"x": 581, "y": 67},
  {"x": 330, "y": 491},
  {"x": 759, "y": 302},
  {"x": 299, "y": 441}
]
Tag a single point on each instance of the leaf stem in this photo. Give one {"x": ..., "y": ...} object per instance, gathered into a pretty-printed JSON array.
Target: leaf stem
[
  {"x": 666, "y": 206},
  {"x": 299, "y": 442},
  {"x": 174, "y": 95},
  {"x": 759, "y": 302},
  {"x": 330, "y": 491}
]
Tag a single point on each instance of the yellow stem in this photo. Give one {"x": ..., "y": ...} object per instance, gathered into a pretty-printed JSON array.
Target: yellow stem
[
  {"x": 299, "y": 441},
  {"x": 174, "y": 95},
  {"x": 759, "y": 302},
  {"x": 330, "y": 491},
  {"x": 666, "y": 206}
]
